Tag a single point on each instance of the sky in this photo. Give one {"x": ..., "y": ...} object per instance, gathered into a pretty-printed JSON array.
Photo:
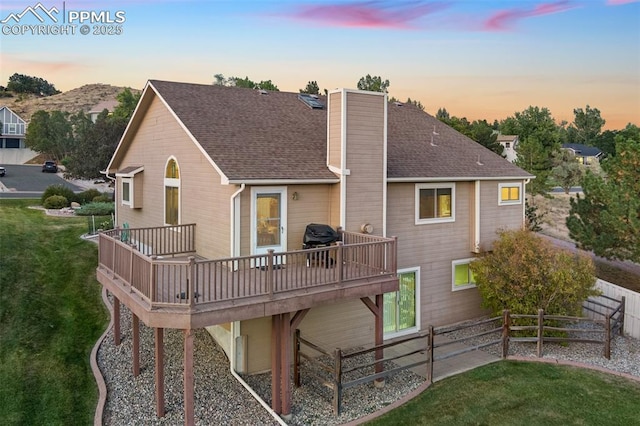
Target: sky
[{"x": 479, "y": 59}]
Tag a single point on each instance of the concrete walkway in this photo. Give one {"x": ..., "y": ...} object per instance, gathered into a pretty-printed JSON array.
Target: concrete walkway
[{"x": 441, "y": 368}]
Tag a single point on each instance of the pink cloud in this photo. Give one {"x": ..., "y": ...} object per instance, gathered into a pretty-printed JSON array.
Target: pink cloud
[
  {"x": 372, "y": 14},
  {"x": 619, "y": 2},
  {"x": 505, "y": 19}
]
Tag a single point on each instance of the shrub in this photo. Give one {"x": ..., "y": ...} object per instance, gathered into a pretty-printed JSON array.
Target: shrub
[
  {"x": 525, "y": 272},
  {"x": 58, "y": 190},
  {"x": 55, "y": 202},
  {"x": 87, "y": 196},
  {"x": 96, "y": 209},
  {"x": 104, "y": 198}
]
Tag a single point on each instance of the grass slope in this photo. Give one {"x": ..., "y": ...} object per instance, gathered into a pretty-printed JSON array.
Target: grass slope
[
  {"x": 51, "y": 314},
  {"x": 523, "y": 393}
]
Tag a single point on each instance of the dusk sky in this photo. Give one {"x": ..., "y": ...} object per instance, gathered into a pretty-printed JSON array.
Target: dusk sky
[{"x": 479, "y": 59}]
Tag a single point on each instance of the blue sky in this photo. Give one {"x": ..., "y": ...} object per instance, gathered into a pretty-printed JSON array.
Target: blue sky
[{"x": 476, "y": 58}]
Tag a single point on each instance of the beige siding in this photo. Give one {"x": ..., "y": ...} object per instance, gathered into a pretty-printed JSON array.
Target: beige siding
[
  {"x": 365, "y": 161},
  {"x": 203, "y": 200},
  {"x": 258, "y": 332},
  {"x": 335, "y": 130},
  {"x": 494, "y": 217},
  {"x": 432, "y": 248}
]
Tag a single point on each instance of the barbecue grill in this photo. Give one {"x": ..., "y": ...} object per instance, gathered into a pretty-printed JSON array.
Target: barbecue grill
[{"x": 317, "y": 235}]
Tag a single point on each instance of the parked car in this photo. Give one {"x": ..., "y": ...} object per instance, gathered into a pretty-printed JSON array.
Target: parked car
[
  {"x": 3, "y": 171},
  {"x": 49, "y": 166}
]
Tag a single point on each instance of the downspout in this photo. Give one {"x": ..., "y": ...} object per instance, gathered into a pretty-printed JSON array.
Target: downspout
[
  {"x": 524, "y": 202},
  {"x": 235, "y": 326},
  {"x": 112, "y": 179}
]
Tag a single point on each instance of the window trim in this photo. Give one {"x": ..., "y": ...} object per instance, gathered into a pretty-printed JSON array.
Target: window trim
[
  {"x": 417, "y": 327},
  {"x": 129, "y": 181},
  {"x": 439, "y": 185},
  {"x": 172, "y": 183},
  {"x": 502, "y": 202},
  {"x": 455, "y": 263}
]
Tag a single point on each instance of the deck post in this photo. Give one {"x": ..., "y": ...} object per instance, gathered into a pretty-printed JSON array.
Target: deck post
[
  {"x": 135, "y": 325},
  {"x": 340, "y": 262},
  {"x": 116, "y": 321},
  {"x": 276, "y": 402},
  {"x": 285, "y": 360},
  {"x": 607, "y": 337},
  {"x": 623, "y": 303},
  {"x": 379, "y": 339},
  {"x": 431, "y": 352},
  {"x": 152, "y": 279},
  {"x": 189, "y": 414},
  {"x": 270, "y": 272},
  {"x": 191, "y": 282},
  {"x": 159, "y": 334},
  {"x": 296, "y": 358}
]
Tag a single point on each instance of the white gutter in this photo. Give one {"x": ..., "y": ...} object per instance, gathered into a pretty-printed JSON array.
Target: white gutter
[
  {"x": 282, "y": 181},
  {"x": 454, "y": 179}
]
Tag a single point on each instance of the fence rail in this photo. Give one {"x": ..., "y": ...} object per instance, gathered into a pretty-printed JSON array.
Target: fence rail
[{"x": 546, "y": 330}]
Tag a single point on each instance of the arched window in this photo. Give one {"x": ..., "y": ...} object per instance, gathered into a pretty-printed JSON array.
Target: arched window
[{"x": 172, "y": 193}]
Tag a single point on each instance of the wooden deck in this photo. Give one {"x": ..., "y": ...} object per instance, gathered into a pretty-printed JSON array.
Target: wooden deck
[{"x": 175, "y": 288}]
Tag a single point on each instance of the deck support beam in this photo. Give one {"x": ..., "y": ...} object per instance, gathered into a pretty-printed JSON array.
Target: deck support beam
[
  {"x": 377, "y": 310},
  {"x": 116, "y": 321},
  {"x": 159, "y": 337},
  {"x": 135, "y": 325},
  {"x": 276, "y": 402},
  {"x": 189, "y": 411},
  {"x": 281, "y": 364}
]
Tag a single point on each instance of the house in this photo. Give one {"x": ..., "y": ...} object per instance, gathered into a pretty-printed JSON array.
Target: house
[
  {"x": 12, "y": 135},
  {"x": 97, "y": 109},
  {"x": 215, "y": 187},
  {"x": 587, "y": 155},
  {"x": 509, "y": 144}
]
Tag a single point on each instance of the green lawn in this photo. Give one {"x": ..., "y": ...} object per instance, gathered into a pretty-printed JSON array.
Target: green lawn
[
  {"x": 523, "y": 393},
  {"x": 51, "y": 315}
]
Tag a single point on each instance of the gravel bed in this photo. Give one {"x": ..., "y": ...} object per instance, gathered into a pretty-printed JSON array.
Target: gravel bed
[{"x": 221, "y": 399}]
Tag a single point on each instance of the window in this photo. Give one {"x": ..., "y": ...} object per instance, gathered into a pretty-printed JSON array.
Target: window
[
  {"x": 435, "y": 203},
  {"x": 400, "y": 311},
  {"x": 127, "y": 195},
  {"x": 12, "y": 128},
  {"x": 130, "y": 186},
  {"x": 461, "y": 275},
  {"x": 172, "y": 193},
  {"x": 507, "y": 145},
  {"x": 509, "y": 193}
]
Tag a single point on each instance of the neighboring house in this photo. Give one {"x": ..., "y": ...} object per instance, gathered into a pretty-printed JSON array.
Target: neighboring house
[
  {"x": 587, "y": 155},
  {"x": 96, "y": 110},
  {"x": 509, "y": 143},
  {"x": 232, "y": 176},
  {"x": 12, "y": 134}
]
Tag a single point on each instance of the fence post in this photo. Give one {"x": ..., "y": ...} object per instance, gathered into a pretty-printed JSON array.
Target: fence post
[
  {"x": 623, "y": 303},
  {"x": 607, "y": 337},
  {"x": 540, "y": 331},
  {"x": 296, "y": 358},
  {"x": 506, "y": 331},
  {"x": 430, "y": 355},
  {"x": 337, "y": 381}
]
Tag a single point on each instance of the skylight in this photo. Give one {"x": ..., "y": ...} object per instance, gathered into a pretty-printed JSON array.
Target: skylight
[{"x": 312, "y": 101}]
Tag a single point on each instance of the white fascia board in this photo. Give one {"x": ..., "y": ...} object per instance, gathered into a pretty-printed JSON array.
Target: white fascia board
[{"x": 131, "y": 173}]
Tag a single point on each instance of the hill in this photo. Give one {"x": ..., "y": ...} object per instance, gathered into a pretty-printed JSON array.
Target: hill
[{"x": 79, "y": 99}]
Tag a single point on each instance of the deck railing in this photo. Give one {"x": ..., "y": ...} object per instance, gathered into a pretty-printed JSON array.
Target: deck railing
[{"x": 145, "y": 259}]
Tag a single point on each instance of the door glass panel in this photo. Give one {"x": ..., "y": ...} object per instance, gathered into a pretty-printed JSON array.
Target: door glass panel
[
  {"x": 400, "y": 306},
  {"x": 268, "y": 219}
]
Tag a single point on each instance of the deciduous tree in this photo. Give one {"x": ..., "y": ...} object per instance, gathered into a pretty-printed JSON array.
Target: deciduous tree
[
  {"x": 525, "y": 272},
  {"x": 50, "y": 133},
  {"x": 586, "y": 126}
]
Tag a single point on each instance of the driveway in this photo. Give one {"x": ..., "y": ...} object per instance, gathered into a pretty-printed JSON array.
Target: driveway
[{"x": 28, "y": 181}]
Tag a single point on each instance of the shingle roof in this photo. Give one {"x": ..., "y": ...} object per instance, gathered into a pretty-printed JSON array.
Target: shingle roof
[
  {"x": 584, "y": 150},
  {"x": 273, "y": 136}
]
